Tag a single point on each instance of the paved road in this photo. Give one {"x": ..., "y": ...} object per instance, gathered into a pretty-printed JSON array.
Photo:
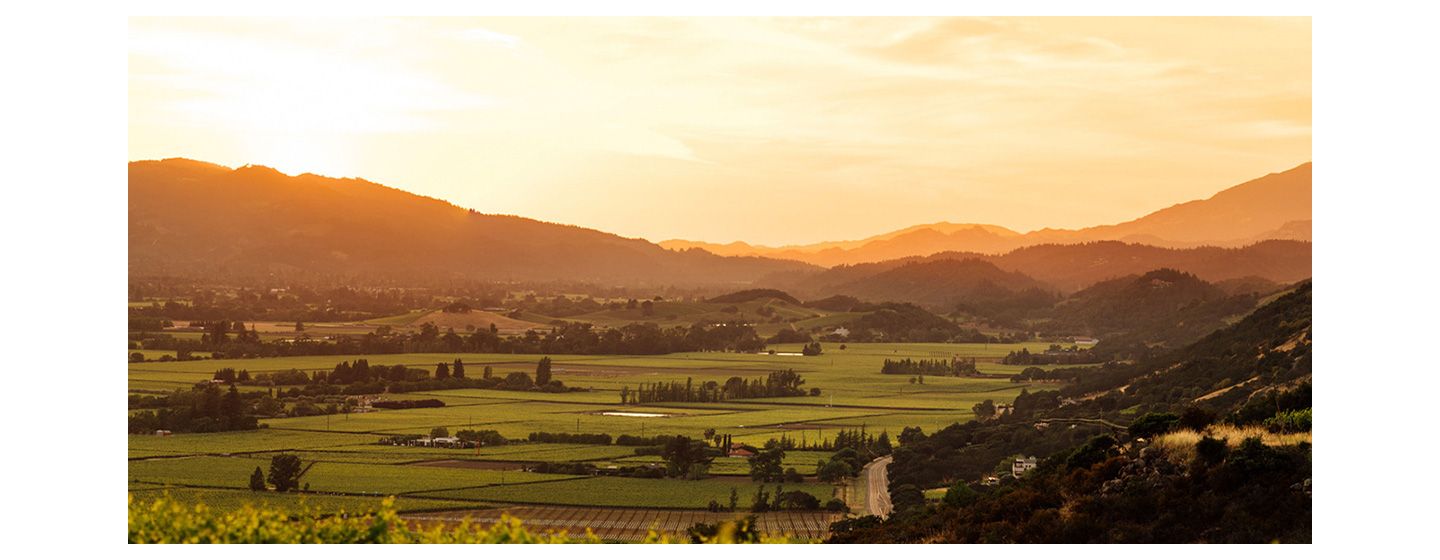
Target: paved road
[{"x": 877, "y": 477}]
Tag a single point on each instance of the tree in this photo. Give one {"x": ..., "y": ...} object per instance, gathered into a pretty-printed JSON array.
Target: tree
[
  {"x": 984, "y": 410},
  {"x": 439, "y": 432},
  {"x": 647, "y": 309},
  {"x": 833, "y": 471},
  {"x": 488, "y": 372},
  {"x": 458, "y": 369},
  {"x": 1196, "y": 418},
  {"x": 766, "y": 466},
  {"x": 1153, "y": 424},
  {"x": 442, "y": 370},
  {"x": 285, "y": 472},
  {"x": 299, "y": 326},
  {"x": 257, "y": 480},
  {"x": 882, "y": 444},
  {"x": 542, "y": 372},
  {"x": 960, "y": 495},
  {"x": 734, "y": 498},
  {"x": 682, "y": 455}
]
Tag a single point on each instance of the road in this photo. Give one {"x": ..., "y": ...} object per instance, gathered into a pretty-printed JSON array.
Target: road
[{"x": 877, "y": 478}]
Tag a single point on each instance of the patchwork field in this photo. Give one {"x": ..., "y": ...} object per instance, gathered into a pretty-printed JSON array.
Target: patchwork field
[{"x": 351, "y": 470}]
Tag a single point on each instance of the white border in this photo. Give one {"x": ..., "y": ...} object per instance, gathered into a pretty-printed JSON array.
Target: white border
[{"x": 1375, "y": 121}]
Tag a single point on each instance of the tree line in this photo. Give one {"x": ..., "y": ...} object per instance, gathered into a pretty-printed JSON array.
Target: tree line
[
  {"x": 907, "y": 366},
  {"x": 777, "y": 384}
]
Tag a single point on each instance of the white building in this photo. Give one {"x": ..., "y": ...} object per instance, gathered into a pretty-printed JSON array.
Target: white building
[{"x": 1023, "y": 465}]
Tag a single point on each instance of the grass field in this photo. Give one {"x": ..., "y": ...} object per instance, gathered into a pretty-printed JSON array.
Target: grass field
[
  {"x": 350, "y": 478},
  {"x": 853, "y": 394}
]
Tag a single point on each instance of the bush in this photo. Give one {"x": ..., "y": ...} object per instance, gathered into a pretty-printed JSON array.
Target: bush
[
  {"x": 1289, "y": 422},
  {"x": 1196, "y": 419},
  {"x": 1210, "y": 451},
  {"x": 836, "y": 505},
  {"x": 799, "y": 500},
  {"x": 1153, "y": 424}
]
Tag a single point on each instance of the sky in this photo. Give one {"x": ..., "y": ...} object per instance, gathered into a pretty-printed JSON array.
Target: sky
[{"x": 768, "y": 130}]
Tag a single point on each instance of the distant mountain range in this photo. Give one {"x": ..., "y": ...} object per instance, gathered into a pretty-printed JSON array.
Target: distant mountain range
[
  {"x": 194, "y": 219},
  {"x": 1276, "y": 206},
  {"x": 1064, "y": 268},
  {"x": 198, "y": 220}
]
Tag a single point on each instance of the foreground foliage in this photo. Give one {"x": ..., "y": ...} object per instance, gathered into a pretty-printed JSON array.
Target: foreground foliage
[{"x": 163, "y": 520}]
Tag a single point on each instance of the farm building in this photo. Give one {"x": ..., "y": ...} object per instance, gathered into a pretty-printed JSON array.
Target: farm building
[
  {"x": 1003, "y": 409},
  {"x": 737, "y": 450},
  {"x": 1023, "y": 465}
]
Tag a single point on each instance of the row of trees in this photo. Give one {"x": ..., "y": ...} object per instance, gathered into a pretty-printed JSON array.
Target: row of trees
[
  {"x": 777, "y": 384},
  {"x": 1055, "y": 355},
  {"x": 907, "y": 366},
  {"x": 361, "y": 377},
  {"x": 561, "y": 338},
  {"x": 204, "y": 408}
]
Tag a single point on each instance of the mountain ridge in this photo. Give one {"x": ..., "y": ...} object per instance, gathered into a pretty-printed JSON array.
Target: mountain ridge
[
  {"x": 1274, "y": 206},
  {"x": 276, "y": 224}
]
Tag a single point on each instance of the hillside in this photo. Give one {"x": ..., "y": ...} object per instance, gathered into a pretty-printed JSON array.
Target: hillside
[
  {"x": 949, "y": 284},
  {"x": 1138, "y": 314},
  {"x": 1276, "y": 206},
  {"x": 1132, "y": 464},
  {"x": 311, "y": 226},
  {"x": 1073, "y": 267}
]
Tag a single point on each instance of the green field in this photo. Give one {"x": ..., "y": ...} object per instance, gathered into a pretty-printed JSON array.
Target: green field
[
  {"x": 349, "y": 478},
  {"x": 853, "y": 394}
]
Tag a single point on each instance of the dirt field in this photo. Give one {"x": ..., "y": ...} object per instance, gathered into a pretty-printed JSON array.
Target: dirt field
[{"x": 614, "y": 524}]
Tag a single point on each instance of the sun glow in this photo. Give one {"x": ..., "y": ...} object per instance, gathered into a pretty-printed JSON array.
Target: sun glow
[{"x": 623, "y": 124}]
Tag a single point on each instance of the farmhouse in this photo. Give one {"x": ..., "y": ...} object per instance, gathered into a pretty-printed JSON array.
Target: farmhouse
[
  {"x": 1003, "y": 409},
  {"x": 737, "y": 450},
  {"x": 1023, "y": 465}
]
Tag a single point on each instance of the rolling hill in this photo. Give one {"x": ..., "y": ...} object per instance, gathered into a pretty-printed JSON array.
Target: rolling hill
[
  {"x": 1276, "y": 206},
  {"x": 276, "y": 225},
  {"x": 1069, "y": 268}
]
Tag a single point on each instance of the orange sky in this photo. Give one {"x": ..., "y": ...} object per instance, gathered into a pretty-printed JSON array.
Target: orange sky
[{"x": 771, "y": 130}]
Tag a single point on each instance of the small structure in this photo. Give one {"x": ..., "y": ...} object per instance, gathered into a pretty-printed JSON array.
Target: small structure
[
  {"x": 363, "y": 404},
  {"x": 841, "y": 332},
  {"x": 1003, "y": 409},
  {"x": 162, "y": 432},
  {"x": 737, "y": 450},
  {"x": 991, "y": 481},
  {"x": 1023, "y": 465},
  {"x": 1086, "y": 341}
]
